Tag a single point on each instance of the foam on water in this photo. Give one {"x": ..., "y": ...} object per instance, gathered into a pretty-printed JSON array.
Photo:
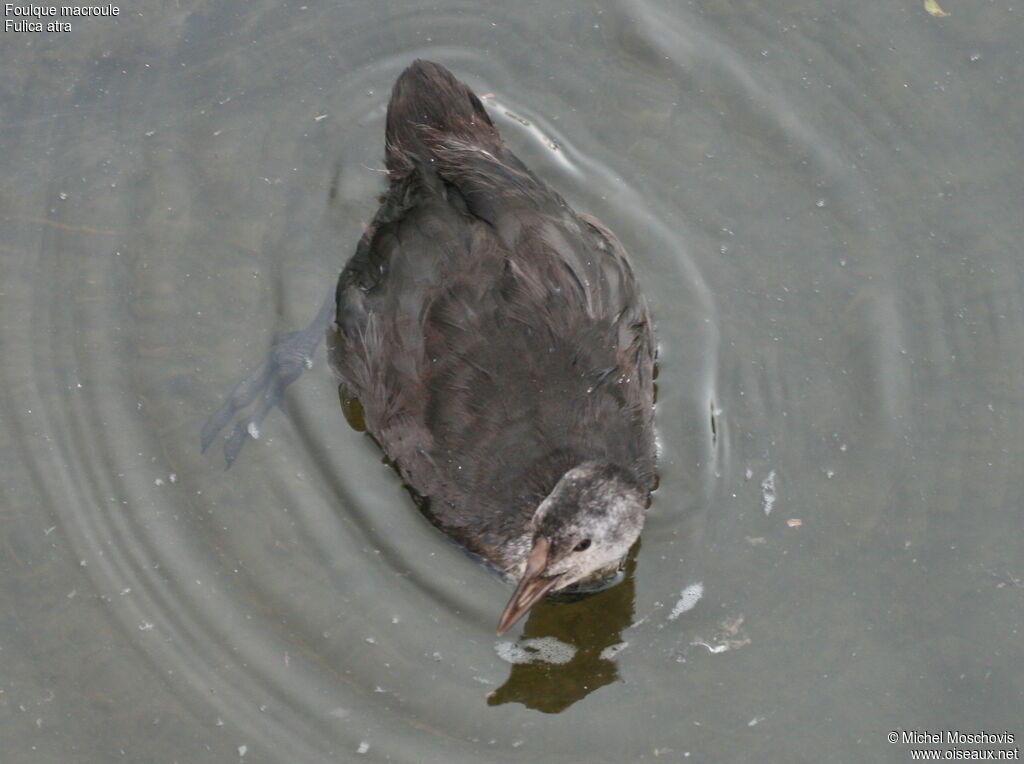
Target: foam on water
[
  {"x": 540, "y": 649},
  {"x": 689, "y": 597}
]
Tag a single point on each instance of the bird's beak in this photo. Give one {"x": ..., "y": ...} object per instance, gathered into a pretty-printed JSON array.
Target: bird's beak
[{"x": 532, "y": 586}]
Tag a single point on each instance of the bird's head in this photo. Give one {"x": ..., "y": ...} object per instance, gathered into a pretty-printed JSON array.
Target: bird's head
[{"x": 581, "y": 531}]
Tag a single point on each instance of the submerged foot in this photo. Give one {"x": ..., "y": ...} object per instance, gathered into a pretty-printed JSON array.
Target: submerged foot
[{"x": 290, "y": 354}]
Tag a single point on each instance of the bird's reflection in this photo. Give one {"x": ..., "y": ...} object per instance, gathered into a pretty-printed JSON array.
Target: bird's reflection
[{"x": 592, "y": 625}]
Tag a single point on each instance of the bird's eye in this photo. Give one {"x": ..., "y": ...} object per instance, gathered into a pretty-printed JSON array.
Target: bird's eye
[{"x": 582, "y": 546}]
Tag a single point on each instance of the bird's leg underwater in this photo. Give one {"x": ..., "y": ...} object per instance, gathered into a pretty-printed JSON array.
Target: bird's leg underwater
[{"x": 290, "y": 354}]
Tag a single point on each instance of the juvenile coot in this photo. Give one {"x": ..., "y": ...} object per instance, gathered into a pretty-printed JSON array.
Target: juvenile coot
[{"x": 500, "y": 350}]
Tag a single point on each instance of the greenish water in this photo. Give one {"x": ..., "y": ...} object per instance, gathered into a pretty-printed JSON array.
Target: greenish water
[{"x": 823, "y": 204}]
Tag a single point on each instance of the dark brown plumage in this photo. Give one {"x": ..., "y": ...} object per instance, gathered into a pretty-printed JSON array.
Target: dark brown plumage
[{"x": 497, "y": 341}]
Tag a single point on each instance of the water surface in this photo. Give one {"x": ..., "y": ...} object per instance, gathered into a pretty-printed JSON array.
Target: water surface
[{"x": 823, "y": 203}]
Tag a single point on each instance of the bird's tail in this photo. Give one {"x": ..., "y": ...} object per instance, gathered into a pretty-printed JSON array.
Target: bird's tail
[{"x": 429, "y": 110}]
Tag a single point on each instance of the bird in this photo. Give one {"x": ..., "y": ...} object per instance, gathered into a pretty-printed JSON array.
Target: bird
[{"x": 500, "y": 349}]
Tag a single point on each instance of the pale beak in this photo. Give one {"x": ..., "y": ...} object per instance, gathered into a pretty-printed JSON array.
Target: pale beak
[{"x": 532, "y": 586}]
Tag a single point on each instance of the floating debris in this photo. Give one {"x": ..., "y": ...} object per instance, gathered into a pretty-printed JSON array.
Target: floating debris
[
  {"x": 768, "y": 495},
  {"x": 1005, "y": 579},
  {"x": 728, "y": 637},
  {"x": 934, "y": 9},
  {"x": 612, "y": 650},
  {"x": 689, "y": 597}
]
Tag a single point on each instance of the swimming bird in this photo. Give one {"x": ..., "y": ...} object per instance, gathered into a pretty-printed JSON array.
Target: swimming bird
[{"x": 500, "y": 349}]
